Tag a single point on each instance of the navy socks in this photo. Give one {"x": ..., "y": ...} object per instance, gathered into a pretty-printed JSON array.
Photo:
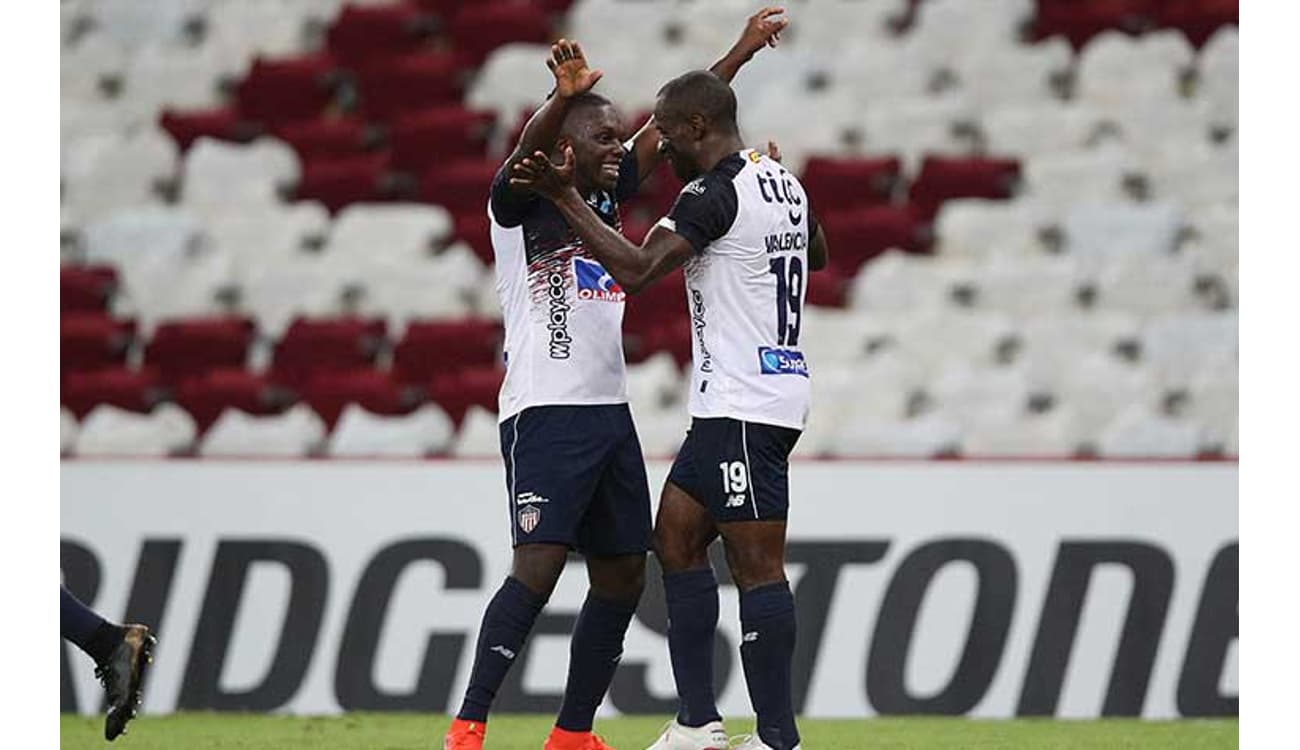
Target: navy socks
[
  {"x": 768, "y": 623},
  {"x": 594, "y": 651},
  {"x": 692, "y": 622},
  {"x": 87, "y": 630},
  {"x": 506, "y": 623}
]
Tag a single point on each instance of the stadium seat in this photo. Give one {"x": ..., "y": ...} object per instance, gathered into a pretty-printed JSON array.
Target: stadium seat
[
  {"x": 1032, "y": 130},
  {"x": 328, "y": 392},
  {"x": 944, "y": 339},
  {"x": 296, "y": 433},
  {"x": 826, "y": 288},
  {"x": 1118, "y": 230},
  {"x": 661, "y": 431},
  {"x": 362, "y": 33},
  {"x": 1218, "y": 71},
  {"x": 219, "y": 123},
  {"x": 389, "y": 231},
  {"x": 120, "y": 172},
  {"x": 1199, "y": 20},
  {"x": 834, "y": 184},
  {"x": 474, "y": 228},
  {"x": 1028, "y": 286},
  {"x": 461, "y": 186},
  {"x": 134, "y": 390},
  {"x": 93, "y": 341},
  {"x": 512, "y": 80},
  {"x": 981, "y": 228},
  {"x": 916, "y": 129},
  {"x": 479, "y": 435},
  {"x": 1143, "y": 433},
  {"x": 927, "y": 436},
  {"x": 243, "y": 30},
  {"x": 1214, "y": 405},
  {"x": 326, "y": 138},
  {"x": 1148, "y": 285},
  {"x": 479, "y": 28},
  {"x": 1058, "y": 181},
  {"x": 184, "y": 78},
  {"x": 400, "y": 291},
  {"x": 68, "y": 429},
  {"x": 86, "y": 289},
  {"x": 205, "y": 397},
  {"x": 226, "y": 174},
  {"x": 942, "y": 179},
  {"x": 135, "y": 240},
  {"x": 899, "y": 282},
  {"x": 1115, "y": 69},
  {"x": 1049, "y": 435},
  {"x": 998, "y": 77},
  {"x": 392, "y": 87},
  {"x": 976, "y": 395},
  {"x": 457, "y": 392},
  {"x": 672, "y": 335},
  {"x": 433, "y": 348},
  {"x": 1181, "y": 345},
  {"x": 185, "y": 349},
  {"x": 287, "y": 89},
  {"x": 314, "y": 346},
  {"x": 135, "y": 23},
  {"x": 339, "y": 182},
  {"x": 654, "y": 383},
  {"x": 1096, "y": 388},
  {"x": 110, "y": 431},
  {"x": 422, "y": 139},
  {"x": 857, "y": 236},
  {"x": 427, "y": 431},
  {"x": 1080, "y": 22},
  {"x": 1052, "y": 345},
  {"x": 256, "y": 237},
  {"x": 664, "y": 299}
]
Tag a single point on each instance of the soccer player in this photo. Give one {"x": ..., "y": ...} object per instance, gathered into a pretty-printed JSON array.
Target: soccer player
[
  {"x": 743, "y": 230},
  {"x": 122, "y": 654},
  {"x": 574, "y": 469}
]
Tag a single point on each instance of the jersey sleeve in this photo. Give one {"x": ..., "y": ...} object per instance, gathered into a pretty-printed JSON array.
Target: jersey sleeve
[
  {"x": 628, "y": 179},
  {"x": 704, "y": 211},
  {"x": 509, "y": 206}
]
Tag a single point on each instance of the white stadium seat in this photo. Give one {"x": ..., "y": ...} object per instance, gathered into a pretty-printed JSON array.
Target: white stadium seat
[
  {"x": 1063, "y": 180},
  {"x": 975, "y": 395},
  {"x": 661, "y": 431},
  {"x": 899, "y": 282},
  {"x": 1148, "y": 285},
  {"x": 297, "y": 433},
  {"x": 110, "y": 431},
  {"x": 1031, "y": 130},
  {"x": 1116, "y": 69},
  {"x": 227, "y": 174},
  {"x": 1055, "y": 344},
  {"x": 1050, "y": 435},
  {"x": 113, "y": 172},
  {"x": 1096, "y": 388},
  {"x": 977, "y": 228},
  {"x": 261, "y": 236},
  {"x": 479, "y": 436},
  {"x": 135, "y": 23},
  {"x": 1214, "y": 404},
  {"x": 512, "y": 80},
  {"x": 1029, "y": 286},
  {"x": 1008, "y": 76},
  {"x": 424, "y": 432},
  {"x": 1143, "y": 433},
  {"x": 927, "y": 436},
  {"x": 1117, "y": 230},
  {"x": 400, "y": 231},
  {"x": 139, "y": 239},
  {"x": 941, "y": 339},
  {"x": 1181, "y": 345}
]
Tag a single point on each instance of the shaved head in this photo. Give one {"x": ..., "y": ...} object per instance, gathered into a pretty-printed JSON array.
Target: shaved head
[{"x": 702, "y": 93}]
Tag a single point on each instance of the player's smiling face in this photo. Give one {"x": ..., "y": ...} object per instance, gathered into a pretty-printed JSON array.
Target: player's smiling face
[
  {"x": 597, "y": 150},
  {"x": 674, "y": 144}
]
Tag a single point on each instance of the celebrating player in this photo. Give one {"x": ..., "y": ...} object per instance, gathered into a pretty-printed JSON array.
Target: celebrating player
[
  {"x": 574, "y": 467},
  {"x": 122, "y": 653},
  {"x": 742, "y": 228}
]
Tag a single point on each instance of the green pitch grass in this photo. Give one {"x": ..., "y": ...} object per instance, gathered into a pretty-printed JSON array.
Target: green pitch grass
[{"x": 424, "y": 732}]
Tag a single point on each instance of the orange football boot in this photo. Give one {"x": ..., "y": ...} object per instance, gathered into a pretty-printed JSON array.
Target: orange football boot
[
  {"x": 563, "y": 739},
  {"x": 465, "y": 735}
]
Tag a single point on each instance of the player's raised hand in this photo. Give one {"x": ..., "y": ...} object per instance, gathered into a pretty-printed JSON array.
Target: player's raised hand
[
  {"x": 540, "y": 175},
  {"x": 569, "y": 66},
  {"x": 761, "y": 30},
  {"x": 773, "y": 151}
]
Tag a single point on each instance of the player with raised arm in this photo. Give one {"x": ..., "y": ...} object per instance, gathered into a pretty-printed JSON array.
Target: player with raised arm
[
  {"x": 574, "y": 468},
  {"x": 743, "y": 230},
  {"x": 122, "y": 654}
]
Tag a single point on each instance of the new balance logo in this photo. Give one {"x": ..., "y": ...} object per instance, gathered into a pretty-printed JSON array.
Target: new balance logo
[
  {"x": 735, "y": 501},
  {"x": 751, "y": 636},
  {"x": 503, "y": 651}
]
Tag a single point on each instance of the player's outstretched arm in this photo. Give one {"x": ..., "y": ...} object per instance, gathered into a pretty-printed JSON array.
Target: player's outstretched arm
[
  {"x": 572, "y": 77},
  {"x": 761, "y": 30},
  {"x": 633, "y": 267}
]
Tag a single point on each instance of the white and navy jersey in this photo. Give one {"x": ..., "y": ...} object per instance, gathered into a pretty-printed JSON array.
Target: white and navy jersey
[
  {"x": 563, "y": 312},
  {"x": 749, "y": 225}
]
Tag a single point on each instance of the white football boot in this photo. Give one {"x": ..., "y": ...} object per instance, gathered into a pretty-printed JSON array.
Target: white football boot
[
  {"x": 711, "y": 736},
  {"x": 752, "y": 742}
]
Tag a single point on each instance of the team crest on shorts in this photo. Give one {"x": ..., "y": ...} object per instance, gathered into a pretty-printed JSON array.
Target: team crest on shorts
[{"x": 529, "y": 516}]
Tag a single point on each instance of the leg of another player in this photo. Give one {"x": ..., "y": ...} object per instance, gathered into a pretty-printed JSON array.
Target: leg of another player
[
  {"x": 756, "y": 555},
  {"x": 683, "y": 531},
  {"x": 121, "y": 653},
  {"x": 615, "y": 589},
  {"x": 508, "y": 619}
]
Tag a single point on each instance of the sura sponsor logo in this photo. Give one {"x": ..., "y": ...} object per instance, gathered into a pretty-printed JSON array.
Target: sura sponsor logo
[
  {"x": 773, "y": 361},
  {"x": 698, "y": 323},
  {"x": 558, "y": 322}
]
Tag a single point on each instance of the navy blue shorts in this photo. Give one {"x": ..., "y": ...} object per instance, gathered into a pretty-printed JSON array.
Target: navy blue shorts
[
  {"x": 739, "y": 471},
  {"x": 576, "y": 477}
]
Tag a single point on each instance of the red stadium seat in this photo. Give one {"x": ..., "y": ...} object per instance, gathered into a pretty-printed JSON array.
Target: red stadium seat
[
  {"x": 838, "y": 183},
  {"x": 86, "y": 288},
  {"x": 479, "y": 28},
  {"x": 476, "y": 386},
  {"x": 1197, "y": 19},
  {"x": 127, "y": 389},
  {"x": 460, "y": 187},
  {"x": 326, "y": 138},
  {"x": 89, "y": 342},
  {"x": 224, "y": 124},
  {"x": 360, "y": 34},
  {"x": 857, "y": 236},
  {"x": 943, "y": 178},
  {"x": 1080, "y": 21},
  {"x": 392, "y": 87},
  {"x": 313, "y": 346},
  {"x": 338, "y": 182},
  {"x": 664, "y": 299},
  {"x": 826, "y": 288},
  {"x": 475, "y": 228},
  {"x": 430, "y": 349},
  {"x": 420, "y": 140},
  {"x": 205, "y": 397},
  {"x": 673, "y": 336},
  {"x": 327, "y": 394},
  {"x": 185, "y": 349},
  {"x": 285, "y": 90}
]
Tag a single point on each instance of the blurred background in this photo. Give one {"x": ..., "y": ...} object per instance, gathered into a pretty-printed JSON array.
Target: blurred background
[{"x": 274, "y": 239}]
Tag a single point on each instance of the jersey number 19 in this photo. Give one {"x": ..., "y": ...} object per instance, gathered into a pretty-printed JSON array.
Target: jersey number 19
[{"x": 789, "y": 302}]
